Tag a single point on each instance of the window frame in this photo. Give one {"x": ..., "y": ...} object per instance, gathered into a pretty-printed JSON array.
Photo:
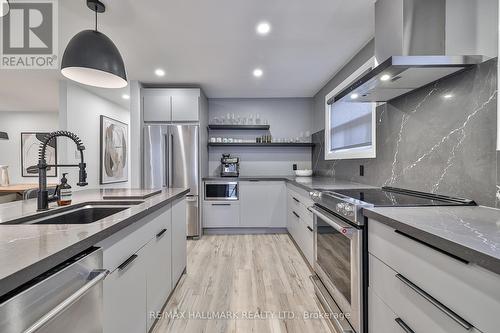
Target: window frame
[{"x": 356, "y": 152}]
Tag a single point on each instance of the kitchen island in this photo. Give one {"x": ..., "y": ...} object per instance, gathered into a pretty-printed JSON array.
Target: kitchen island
[{"x": 146, "y": 235}]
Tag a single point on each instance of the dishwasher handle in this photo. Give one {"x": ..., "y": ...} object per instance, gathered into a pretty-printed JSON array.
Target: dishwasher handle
[{"x": 96, "y": 277}]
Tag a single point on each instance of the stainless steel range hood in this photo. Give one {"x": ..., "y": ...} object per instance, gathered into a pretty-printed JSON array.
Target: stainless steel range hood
[{"x": 410, "y": 39}]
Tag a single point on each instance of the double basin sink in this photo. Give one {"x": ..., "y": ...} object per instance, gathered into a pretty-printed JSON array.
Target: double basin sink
[{"x": 83, "y": 213}]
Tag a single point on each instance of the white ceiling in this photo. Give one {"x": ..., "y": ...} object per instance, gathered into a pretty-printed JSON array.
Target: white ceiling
[{"x": 212, "y": 44}]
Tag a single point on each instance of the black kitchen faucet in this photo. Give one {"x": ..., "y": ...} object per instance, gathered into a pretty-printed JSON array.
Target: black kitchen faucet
[{"x": 43, "y": 194}]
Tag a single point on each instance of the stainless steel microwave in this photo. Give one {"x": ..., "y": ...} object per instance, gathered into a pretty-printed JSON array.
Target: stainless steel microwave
[{"x": 221, "y": 190}]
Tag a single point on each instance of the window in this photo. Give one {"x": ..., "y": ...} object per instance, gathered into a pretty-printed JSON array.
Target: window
[{"x": 350, "y": 126}]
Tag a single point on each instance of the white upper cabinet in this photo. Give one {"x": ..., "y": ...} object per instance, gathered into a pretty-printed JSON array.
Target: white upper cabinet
[
  {"x": 156, "y": 105},
  {"x": 164, "y": 105},
  {"x": 185, "y": 104}
]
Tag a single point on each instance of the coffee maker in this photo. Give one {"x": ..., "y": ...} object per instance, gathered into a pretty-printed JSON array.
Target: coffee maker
[{"x": 230, "y": 166}]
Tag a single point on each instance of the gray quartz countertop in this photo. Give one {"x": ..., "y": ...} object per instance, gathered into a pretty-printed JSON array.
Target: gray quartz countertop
[
  {"x": 27, "y": 250},
  {"x": 471, "y": 233},
  {"x": 307, "y": 183}
]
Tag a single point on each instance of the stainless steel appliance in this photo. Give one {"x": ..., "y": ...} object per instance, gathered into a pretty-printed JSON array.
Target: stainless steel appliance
[
  {"x": 221, "y": 190},
  {"x": 412, "y": 49},
  {"x": 65, "y": 299},
  {"x": 230, "y": 166},
  {"x": 171, "y": 159},
  {"x": 340, "y": 247}
]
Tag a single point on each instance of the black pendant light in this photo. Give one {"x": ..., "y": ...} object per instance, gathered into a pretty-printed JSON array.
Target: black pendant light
[
  {"x": 92, "y": 58},
  {"x": 4, "y": 7}
]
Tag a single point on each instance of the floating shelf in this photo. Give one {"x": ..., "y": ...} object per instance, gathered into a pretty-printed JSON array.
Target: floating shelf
[
  {"x": 239, "y": 127},
  {"x": 273, "y": 144}
]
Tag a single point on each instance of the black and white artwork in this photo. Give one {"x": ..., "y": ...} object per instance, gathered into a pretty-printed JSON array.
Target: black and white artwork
[
  {"x": 114, "y": 144},
  {"x": 30, "y": 144}
]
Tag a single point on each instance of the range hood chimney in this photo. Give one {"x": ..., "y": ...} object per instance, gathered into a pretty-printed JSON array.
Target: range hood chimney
[{"x": 410, "y": 48}]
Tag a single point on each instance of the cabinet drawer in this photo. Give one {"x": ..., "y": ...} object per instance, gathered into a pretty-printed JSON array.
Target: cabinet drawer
[
  {"x": 221, "y": 214},
  {"x": 301, "y": 210},
  {"x": 381, "y": 319},
  {"x": 413, "y": 306},
  {"x": 124, "y": 296},
  {"x": 468, "y": 290},
  {"x": 302, "y": 235},
  {"x": 124, "y": 243}
]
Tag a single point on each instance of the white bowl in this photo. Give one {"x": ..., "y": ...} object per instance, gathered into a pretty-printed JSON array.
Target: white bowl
[{"x": 303, "y": 173}]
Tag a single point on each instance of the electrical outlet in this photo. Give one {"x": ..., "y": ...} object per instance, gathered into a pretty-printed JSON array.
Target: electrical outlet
[
  {"x": 361, "y": 170},
  {"x": 294, "y": 167}
]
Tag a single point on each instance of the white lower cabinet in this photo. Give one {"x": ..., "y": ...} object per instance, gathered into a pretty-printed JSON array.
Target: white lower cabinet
[
  {"x": 221, "y": 214},
  {"x": 140, "y": 284},
  {"x": 179, "y": 240},
  {"x": 125, "y": 296},
  {"x": 428, "y": 290},
  {"x": 158, "y": 272},
  {"x": 262, "y": 204},
  {"x": 382, "y": 319},
  {"x": 300, "y": 222}
]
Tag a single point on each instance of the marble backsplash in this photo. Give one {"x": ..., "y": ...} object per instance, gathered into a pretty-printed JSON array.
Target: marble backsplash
[{"x": 431, "y": 143}]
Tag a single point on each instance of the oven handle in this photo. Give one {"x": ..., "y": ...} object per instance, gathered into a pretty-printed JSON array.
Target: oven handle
[
  {"x": 338, "y": 224},
  {"x": 340, "y": 326}
]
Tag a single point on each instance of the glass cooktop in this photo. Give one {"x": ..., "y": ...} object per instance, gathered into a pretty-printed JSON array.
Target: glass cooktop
[{"x": 389, "y": 196}]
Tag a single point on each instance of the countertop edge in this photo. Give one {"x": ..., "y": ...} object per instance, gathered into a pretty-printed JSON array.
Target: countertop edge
[
  {"x": 288, "y": 179},
  {"x": 28, "y": 273},
  {"x": 455, "y": 249}
]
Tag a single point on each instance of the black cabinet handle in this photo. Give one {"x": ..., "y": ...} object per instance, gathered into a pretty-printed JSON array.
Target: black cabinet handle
[
  {"x": 127, "y": 262},
  {"x": 296, "y": 215},
  {"x": 161, "y": 233},
  {"x": 440, "y": 306},
  {"x": 403, "y": 325},
  {"x": 254, "y": 180},
  {"x": 221, "y": 204},
  {"x": 431, "y": 246},
  {"x": 310, "y": 229},
  {"x": 297, "y": 200}
]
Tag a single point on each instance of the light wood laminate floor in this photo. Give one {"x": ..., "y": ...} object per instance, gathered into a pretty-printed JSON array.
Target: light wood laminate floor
[{"x": 249, "y": 277}]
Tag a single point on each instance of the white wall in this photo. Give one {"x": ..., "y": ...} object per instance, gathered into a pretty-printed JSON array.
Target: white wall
[
  {"x": 472, "y": 27},
  {"x": 10, "y": 151},
  {"x": 288, "y": 117},
  {"x": 80, "y": 112},
  {"x": 135, "y": 129}
]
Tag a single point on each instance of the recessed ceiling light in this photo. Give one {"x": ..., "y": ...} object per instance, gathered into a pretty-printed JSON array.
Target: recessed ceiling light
[
  {"x": 385, "y": 77},
  {"x": 159, "y": 72},
  {"x": 125, "y": 96},
  {"x": 354, "y": 96},
  {"x": 258, "y": 72},
  {"x": 448, "y": 96},
  {"x": 263, "y": 28}
]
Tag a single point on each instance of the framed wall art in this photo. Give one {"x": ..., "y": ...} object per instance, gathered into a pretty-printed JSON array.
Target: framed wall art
[{"x": 114, "y": 151}]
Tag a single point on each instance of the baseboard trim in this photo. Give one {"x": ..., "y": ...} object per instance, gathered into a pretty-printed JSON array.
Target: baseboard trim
[{"x": 243, "y": 231}]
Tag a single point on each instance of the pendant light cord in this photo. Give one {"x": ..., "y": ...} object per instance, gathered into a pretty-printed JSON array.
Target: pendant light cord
[{"x": 96, "y": 19}]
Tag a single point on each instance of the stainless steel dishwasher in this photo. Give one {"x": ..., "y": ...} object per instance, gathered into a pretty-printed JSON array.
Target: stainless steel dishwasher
[{"x": 68, "y": 298}]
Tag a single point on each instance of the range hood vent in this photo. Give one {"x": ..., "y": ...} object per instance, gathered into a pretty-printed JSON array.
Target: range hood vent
[{"x": 410, "y": 41}]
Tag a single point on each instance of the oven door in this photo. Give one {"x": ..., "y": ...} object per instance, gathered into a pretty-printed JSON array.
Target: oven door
[
  {"x": 338, "y": 252},
  {"x": 221, "y": 191}
]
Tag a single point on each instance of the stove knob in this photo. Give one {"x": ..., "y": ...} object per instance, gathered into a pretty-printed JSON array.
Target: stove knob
[{"x": 340, "y": 207}]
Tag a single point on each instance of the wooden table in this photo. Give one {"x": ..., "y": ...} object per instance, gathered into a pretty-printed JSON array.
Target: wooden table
[{"x": 20, "y": 188}]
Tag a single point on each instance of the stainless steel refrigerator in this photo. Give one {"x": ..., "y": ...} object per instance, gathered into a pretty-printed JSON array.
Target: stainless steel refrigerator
[{"x": 171, "y": 159}]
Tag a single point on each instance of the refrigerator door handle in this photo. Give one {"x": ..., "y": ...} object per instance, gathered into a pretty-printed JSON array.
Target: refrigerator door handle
[
  {"x": 171, "y": 159},
  {"x": 166, "y": 161}
]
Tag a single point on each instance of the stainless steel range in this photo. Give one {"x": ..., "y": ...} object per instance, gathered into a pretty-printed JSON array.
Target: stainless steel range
[{"x": 341, "y": 247}]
